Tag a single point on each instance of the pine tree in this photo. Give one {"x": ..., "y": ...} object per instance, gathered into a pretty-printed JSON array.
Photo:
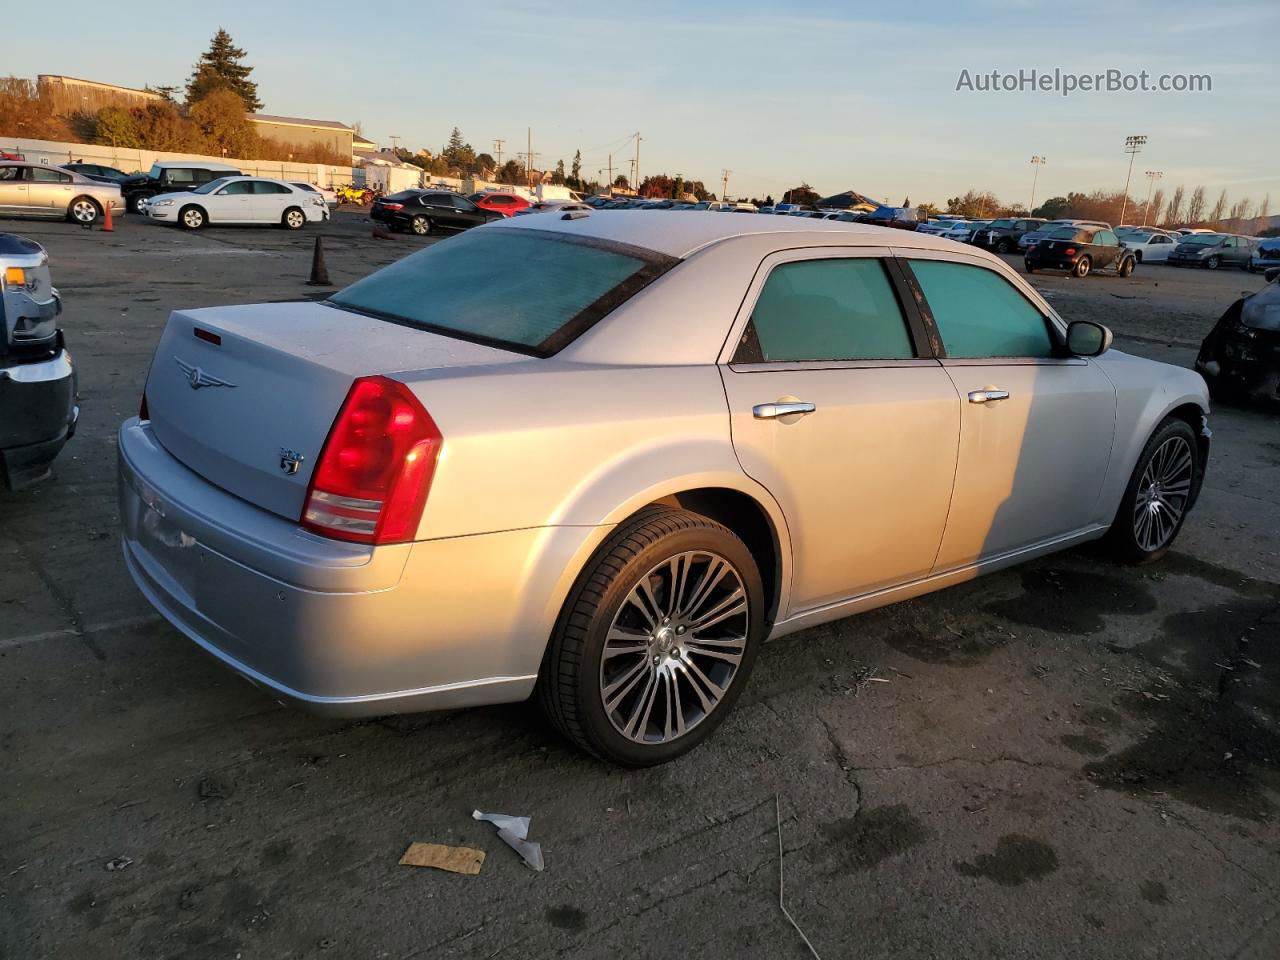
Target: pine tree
[
  {"x": 575, "y": 171},
  {"x": 220, "y": 66}
]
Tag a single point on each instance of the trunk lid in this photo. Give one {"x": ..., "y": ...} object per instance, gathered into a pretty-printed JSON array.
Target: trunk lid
[{"x": 260, "y": 385}]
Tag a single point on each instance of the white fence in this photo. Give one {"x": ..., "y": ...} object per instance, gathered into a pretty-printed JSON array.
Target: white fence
[{"x": 130, "y": 160}]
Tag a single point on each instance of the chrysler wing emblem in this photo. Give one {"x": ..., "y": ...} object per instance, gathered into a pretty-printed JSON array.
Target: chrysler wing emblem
[{"x": 197, "y": 378}]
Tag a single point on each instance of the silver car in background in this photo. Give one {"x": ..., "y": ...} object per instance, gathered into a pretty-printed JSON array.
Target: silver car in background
[
  {"x": 40, "y": 190},
  {"x": 601, "y": 459}
]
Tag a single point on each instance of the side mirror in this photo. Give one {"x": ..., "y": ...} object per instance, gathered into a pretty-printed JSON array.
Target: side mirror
[{"x": 1087, "y": 339}]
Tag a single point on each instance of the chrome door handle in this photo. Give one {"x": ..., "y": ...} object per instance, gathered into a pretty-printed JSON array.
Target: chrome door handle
[
  {"x": 986, "y": 396},
  {"x": 771, "y": 411}
]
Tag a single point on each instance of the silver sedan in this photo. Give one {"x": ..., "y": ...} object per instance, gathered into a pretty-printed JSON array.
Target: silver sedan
[
  {"x": 40, "y": 190},
  {"x": 601, "y": 459}
]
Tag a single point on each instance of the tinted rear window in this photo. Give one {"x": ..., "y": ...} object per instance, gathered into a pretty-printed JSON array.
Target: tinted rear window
[
  {"x": 402, "y": 196},
  {"x": 529, "y": 290},
  {"x": 1069, "y": 233}
]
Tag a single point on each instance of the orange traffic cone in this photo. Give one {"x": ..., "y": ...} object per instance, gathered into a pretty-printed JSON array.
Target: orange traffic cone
[{"x": 107, "y": 226}]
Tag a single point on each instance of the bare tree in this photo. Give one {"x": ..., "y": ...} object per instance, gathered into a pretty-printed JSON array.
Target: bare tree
[
  {"x": 1264, "y": 210},
  {"x": 1195, "y": 206},
  {"x": 1239, "y": 213},
  {"x": 1173, "y": 214},
  {"x": 1154, "y": 208},
  {"x": 1220, "y": 206}
]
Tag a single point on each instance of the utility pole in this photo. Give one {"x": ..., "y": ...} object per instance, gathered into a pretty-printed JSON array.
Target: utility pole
[
  {"x": 1132, "y": 145},
  {"x": 1152, "y": 177},
  {"x": 724, "y": 184},
  {"x": 395, "y": 144},
  {"x": 497, "y": 149},
  {"x": 1037, "y": 163},
  {"x": 635, "y": 170},
  {"x": 528, "y": 167},
  {"x": 609, "y": 185}
]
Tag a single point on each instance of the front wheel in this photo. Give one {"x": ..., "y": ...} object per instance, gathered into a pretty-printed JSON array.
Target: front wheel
[
  {"x": 1002, "y": 246},
  {"x": 134, "y": 203},
  {"x": 1126, "y": 267},
  {"x": 1082, "y": 267},
  {"x": 1159, "y": 494},
  {"x": 657, "y": 640},
  {"x": 1213, "y": 263},
  {"x": 1138, "y": 256},
  {"x": 420, "y": 225},
  {"x": 293, "y": 219},
  {"x": 192, "y": 218}
]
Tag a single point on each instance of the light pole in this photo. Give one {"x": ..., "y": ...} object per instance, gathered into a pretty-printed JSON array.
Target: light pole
[
  {"x": 1036, "y": 163},
  {"x": 1132, "y": 145},
  {"x": 395, "y": 145},
  {"x": 1152, "y": 177}
]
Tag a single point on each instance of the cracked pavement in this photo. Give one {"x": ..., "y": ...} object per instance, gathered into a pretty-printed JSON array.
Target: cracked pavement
[{"x": 1066, "y": 759}]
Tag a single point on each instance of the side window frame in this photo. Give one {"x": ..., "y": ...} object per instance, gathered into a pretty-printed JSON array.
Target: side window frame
[
  {"x": 1054, "y": 324},
  {"x": 742, "y": 329}
]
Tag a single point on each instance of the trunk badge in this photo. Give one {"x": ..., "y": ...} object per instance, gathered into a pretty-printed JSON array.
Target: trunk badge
[
  {"x": 197, "y": 378},
  {"x": 289, "y": 461}
]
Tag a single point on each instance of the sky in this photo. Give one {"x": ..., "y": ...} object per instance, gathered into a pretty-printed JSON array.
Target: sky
[{"x": 840, "y": 95}]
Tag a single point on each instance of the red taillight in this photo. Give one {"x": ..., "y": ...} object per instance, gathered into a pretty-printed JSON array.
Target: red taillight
[
  {"x": 393, "y": 206},
  {"x": 375, "y": 470},
  {"x": 1070, "y": 251}
]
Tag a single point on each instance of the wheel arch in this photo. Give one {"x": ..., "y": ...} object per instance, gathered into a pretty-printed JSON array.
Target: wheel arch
[{"x": 188, "y": 205}]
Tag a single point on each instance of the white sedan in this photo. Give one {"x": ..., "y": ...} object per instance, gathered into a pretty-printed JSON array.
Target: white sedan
[
  {"x": 1150, "y": 246},
  {"x": 239, "y": 200}
]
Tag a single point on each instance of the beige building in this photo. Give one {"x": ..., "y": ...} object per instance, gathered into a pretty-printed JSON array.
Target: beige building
[
  {"x": 330, "y": 134},
  {"x": 73, "y": 95}
]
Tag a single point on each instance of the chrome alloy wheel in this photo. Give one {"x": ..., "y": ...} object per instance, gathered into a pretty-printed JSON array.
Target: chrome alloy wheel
[
  {"x": 674, "y": 647},
  {"x": 1163, "y": 494},
  {"x": 84, "y": 211},
  {"x": 295, "y": 219}
]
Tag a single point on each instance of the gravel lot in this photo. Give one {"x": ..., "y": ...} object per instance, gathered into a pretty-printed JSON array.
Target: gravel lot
[{"x": 1068, "y": 759}]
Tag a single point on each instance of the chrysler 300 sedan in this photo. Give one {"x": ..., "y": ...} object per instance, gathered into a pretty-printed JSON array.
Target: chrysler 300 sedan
[{"x": 599, "y": 458}]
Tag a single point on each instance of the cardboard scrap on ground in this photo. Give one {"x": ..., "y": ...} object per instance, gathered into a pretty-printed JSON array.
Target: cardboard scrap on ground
[{"x": 454, "y": 859}]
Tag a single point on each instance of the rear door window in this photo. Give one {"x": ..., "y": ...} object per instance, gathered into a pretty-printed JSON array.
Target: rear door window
[
  {"x": 828, "y": 309},
  {"x": 529, "y": 290},
  {"x": 981, "y": 314}
]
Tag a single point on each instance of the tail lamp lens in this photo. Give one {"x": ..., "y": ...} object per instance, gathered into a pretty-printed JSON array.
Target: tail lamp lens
[
  {"x": 1070, "y": 251},
  {"x": 372, "y": 480}
]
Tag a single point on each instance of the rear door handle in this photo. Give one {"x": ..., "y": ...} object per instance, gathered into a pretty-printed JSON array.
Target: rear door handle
[
  {"x": 771, "y": 411},
  {"x": 986, "y": 396}
]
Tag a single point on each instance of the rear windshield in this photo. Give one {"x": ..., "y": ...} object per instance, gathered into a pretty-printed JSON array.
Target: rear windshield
[
  {"x": 402, "y": 195},
  {"x": 1070, "y": 233},
  {"x": 533, "y": 291}
]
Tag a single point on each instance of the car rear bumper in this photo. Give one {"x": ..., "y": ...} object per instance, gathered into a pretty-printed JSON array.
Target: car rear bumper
[
  {"x": 338, "y": 628},
  {"x": 38, "y": 415},
  {"x": 1051, "y": 263}
]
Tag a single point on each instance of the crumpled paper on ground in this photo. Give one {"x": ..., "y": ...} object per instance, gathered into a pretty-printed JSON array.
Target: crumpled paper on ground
[{"x": 514, "y": 832}]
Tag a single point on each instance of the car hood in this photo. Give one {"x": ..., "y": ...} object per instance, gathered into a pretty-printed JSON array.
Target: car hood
[{"x": 1262, "y": 310}]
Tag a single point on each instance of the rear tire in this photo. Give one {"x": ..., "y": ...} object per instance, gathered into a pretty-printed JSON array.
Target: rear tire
[
  {"x": 1029, "y": 267},
  {"x": 1082, "y": 267},
  {"x": 643, "y": 630},
  {"x": 133, "y": 201},
  {"x": 1159, "y": 494},
  {"x": 192, "y": 217},
  {"x": 84, "y": 211},
  {"x": 420, "y": 225},
  {"x": 1002, "y": 246}
]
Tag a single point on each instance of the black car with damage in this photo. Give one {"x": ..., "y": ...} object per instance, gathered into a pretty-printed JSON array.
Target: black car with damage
[
  {"x": 1080, "y": 251},
  {"x": 38, "y": 411},
  {"x": 1240, "y": 358},
  {"x": 430, "y": 211}
]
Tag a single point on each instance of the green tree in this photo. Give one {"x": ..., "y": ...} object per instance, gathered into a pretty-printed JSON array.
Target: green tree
[
  {"x": 226, "y": 129},
  {"x": 1051, "y": 209},
  {"x": 659, "y": 186},
  {"x": 803, "y": 194},
  {"x": 557, "y": 175},
  {"x": 621, "y": 181},
  {"x": 512, "y": 172},
  {"x": 117, "y": 127},
  {"x": 162, "y": 127},
  {"x": 677, "y": 187},
  {"x": 485, "y": 165},
  {"x": 220, "y": 66},
  {"x": 575, "y": 171}
]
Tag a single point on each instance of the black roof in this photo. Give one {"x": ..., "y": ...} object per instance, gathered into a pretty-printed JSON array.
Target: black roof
[{"x": 14, "y": 245}]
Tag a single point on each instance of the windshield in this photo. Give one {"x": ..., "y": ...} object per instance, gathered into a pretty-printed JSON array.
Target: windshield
[
  {"x": 211, "y": 186},
  {"x": 155, "y": 171},
  {"x": 1001, "y": 224},
  {"x": 531, "y": 290},
  {"x": 1202, "y": 240}
]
